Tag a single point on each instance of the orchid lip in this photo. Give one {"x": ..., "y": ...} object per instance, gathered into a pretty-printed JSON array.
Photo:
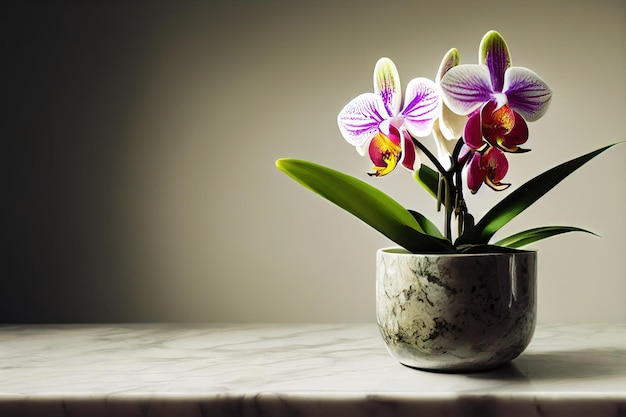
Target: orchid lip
[
  {"x": 499, "y": 186},
  {"x": 385, "y": 149}
]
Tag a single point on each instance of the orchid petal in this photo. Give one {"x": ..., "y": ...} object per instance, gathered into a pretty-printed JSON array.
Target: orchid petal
[
  {"x": 475, "y": 175},
  {"x": 497, "y": 122},
  {"x": 466, "y": 87},
  {"x": 473, "y": 135},
  {"x": 494, "y": 53},
  {"x": 362, "y": 149},
  {"x": 464, "y": 153},
  {"x": 495, "y": 165},
  {"x": 452, "y": 58},
  {"x": 385, "y": 151},
  {"x": 423, "y": 105},
  {"x": 451, "y": 124},
  {"x": 390, "y": 130},
  {"x": 445, "y": 147},
  {"x": 359, "y": 120},
  {"x": 517, "y": 136},
  {"x": 387, "y": 85},
  {"x": 410, "y": 159},
  {"x": 527, "y": 93},
  {"x": 499, "y": 186}
]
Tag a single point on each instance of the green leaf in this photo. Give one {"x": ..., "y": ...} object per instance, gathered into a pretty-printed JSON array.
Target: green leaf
[
  {"x": 485, "y": 248},
  {"x": 520, "y": 199},
  {"x": 428, "y": 178},
  {"x": 532, "y": 235},
  {"x": 367, "y": 203},
  {"x": 427, "y": 226}
]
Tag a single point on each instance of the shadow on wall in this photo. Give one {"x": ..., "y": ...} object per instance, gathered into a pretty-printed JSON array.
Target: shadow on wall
[{"x": 138, "y": 161}]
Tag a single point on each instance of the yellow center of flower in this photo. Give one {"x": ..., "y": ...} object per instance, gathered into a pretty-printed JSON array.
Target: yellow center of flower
[
  {"x": 385, "y": 154},
  {"x": 497, "y": 123}
]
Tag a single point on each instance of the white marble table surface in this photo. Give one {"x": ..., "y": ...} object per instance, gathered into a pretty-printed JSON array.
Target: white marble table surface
[{"x": 294, "y": 370}]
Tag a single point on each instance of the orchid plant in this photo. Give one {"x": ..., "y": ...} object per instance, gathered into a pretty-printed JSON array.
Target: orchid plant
[{"x": 477, "y": 114}]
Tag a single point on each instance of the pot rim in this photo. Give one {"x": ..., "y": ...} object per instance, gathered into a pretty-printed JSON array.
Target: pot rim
[{"x": 400, "y": 251}]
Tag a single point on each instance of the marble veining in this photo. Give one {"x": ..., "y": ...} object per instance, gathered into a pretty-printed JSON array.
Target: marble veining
[
  {"x": 455, "y": 312},
  {"x": 294, "y": 370}
]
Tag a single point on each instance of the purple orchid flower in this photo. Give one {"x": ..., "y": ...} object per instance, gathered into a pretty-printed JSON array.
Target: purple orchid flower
[
  {"x": 377, "y": 124},
  {"x": 488, "y": 167},
  {"x": 499, "y": 99}
]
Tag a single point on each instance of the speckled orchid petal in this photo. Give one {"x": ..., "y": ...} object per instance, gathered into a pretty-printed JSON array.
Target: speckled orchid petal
[
  {"x": 494, "y": 53},
  {"x": 527, "y": 94},
  {"x": 359, "y": 120},
  {"x": 387, "y": 85},
  {"x": 495, "y": 166},
  {"x": 422, "y": 106},
  {"x": 385, "y": 150},
  {"x": 466, "y": 87},
  {"x": 497, "y": 121}
]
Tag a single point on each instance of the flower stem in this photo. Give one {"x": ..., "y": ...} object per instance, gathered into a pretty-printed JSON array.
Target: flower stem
[
  {"x": 450, "y": 188},
  {"x": 448, "y": 205},
  {"x": 447, "y": 180},
  {"x": 459, "y": 204},
  {"x": 429, "y": 155}
]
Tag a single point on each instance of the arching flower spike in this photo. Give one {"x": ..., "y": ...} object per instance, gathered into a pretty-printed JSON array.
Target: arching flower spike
[{"x": 377, "y": 124}]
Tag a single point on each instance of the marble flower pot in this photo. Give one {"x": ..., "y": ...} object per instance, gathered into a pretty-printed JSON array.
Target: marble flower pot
[{"x": 455, "y": 312}]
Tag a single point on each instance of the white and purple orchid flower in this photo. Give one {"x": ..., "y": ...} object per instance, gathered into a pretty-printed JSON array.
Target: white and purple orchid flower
[
  {"x": 499, "y": 99},
  {"x": 377, "y": 124}
]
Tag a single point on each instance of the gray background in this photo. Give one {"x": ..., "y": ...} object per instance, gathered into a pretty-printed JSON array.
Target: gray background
[{"x": 139, "y": 140}]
